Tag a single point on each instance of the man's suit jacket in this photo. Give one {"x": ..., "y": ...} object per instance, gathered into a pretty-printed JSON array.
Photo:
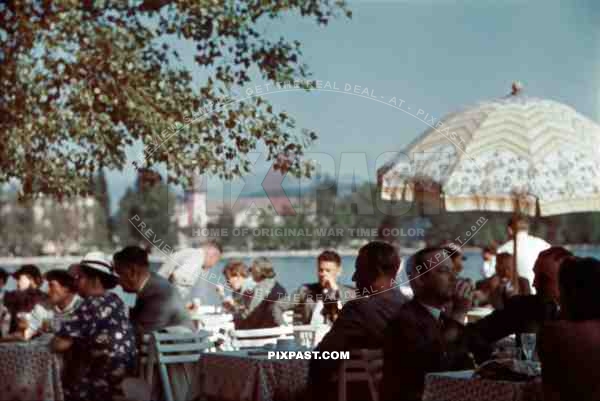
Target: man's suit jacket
[
  {"x": 570, "y": 354},
  {"x": 415, "y": 345},
  {"x": 521, "y": 314},
  {"x": 361, "y": 324},
  {"x": 305, "y": 300},
  {"x": 158, "y": 305}
]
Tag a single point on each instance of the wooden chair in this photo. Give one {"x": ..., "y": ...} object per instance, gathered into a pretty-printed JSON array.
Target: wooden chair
[
  {"x": 260, "y": 337},
  {"x": 364, "y": 365},
  {"x": 146, "y": 360},
  {"x": 177, "y": 348}
]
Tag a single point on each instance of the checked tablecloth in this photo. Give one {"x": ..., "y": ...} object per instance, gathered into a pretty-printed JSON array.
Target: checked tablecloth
[
  {"x": 29, "y": 371},
  {"x": 459, "y": 386},
  {"x": 229, "y": 376}
]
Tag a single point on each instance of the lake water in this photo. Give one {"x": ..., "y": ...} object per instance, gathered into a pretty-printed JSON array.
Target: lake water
[{"x": 293, "y": 271}]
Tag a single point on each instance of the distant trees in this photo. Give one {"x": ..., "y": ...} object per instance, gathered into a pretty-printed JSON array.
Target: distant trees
[{"x": 154, "y": 205}]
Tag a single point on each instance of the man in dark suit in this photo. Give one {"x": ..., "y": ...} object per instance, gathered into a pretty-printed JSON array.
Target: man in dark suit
[
  {"x": 362, "y": 321},
  {"x": 158, "y": 304},
  {"x": 327, "y": 290},
  {"x": 422, "y": 336},
  {"x": 524, "y": 313}
]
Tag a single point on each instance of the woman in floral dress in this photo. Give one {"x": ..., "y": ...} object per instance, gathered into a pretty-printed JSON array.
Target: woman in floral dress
[{"x": 98, "y": 340}]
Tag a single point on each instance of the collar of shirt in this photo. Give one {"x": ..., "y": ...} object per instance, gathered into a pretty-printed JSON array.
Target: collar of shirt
[
  {"x": 435, "y": 312},
  {"x": 70, "y": 307},
  {"x": 144, "y": 284}
]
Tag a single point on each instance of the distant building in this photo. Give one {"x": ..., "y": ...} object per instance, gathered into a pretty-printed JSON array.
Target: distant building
[
  {"x": 191, "y": 214},
  {"x": 63, "y": 227}
]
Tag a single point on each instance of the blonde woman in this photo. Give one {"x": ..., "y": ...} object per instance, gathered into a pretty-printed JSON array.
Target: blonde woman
[{"x": 266, "y": 300}]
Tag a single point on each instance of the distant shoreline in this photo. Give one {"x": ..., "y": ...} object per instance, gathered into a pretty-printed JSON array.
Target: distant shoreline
[{"x": 66, "y": 260}]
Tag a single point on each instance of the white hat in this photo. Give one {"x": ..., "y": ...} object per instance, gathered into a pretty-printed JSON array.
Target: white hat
[{"x": 98, "y": 261}]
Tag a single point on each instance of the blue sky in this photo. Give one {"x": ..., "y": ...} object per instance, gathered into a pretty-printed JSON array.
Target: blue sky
[{"x": 436, "y": 55}]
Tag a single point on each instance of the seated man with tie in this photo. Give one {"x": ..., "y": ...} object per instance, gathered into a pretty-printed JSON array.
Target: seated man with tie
[
  {"x": 321, "y": 302},
  {"x": 422, "y": 337}
]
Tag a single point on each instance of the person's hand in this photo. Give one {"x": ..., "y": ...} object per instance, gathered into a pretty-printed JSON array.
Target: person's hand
[
  {"x": 330, "y": 283},
  {"x": 463, "y": 300},
  {"x": 46, "y": 326},
  {"x": 220, "y": 290}
]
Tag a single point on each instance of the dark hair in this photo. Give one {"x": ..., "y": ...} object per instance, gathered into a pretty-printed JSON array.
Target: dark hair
[
  {"x": 419, "y": 263},
  {"x": 579, "y": 280},
  {"x": 330, "y": 256},
  {"x": 488, "y": 249},
  {"x": 131, "y": 255},
  {"x": 215, "y": 244},
  {"x": 3, "y": 275},
  {"x": 107, "y": 281},
  {"x": 504, "y": 255},
  {"x": 63, "y": 278},
  {"x": 557, "y": 252},
  {"x": 32, "y": 271},
  {"x": 235, "y": 268},
  {"x": 382, "y": 257},
  {"x": 520, "y": 221}
]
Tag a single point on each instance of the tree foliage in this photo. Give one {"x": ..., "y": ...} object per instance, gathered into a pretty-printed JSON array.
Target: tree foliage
[
  {"x": 154, "y": 207},
  {"x": 82, "y": 81}
]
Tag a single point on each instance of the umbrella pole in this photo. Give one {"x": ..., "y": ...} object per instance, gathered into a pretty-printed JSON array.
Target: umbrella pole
[{"x": 515, "y": 276}]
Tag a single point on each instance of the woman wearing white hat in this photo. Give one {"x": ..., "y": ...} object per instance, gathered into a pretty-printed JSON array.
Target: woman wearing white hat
[{"x": 99, "y": 337}]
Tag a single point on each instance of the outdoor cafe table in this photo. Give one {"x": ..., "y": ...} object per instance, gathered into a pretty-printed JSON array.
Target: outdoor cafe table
[
  {"x": 29, "y": 371},
  {"x": 460, "y": 386},
  {"x": 238, "y": 375}
]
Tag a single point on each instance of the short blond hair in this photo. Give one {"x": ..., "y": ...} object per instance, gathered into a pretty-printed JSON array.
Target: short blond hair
[{"x": 263, "y": 267}]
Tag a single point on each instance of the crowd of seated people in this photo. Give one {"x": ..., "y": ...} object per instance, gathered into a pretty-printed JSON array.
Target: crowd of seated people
[
  {"x": 496, "y": 290},
  {"x": 417, "y": 336}
]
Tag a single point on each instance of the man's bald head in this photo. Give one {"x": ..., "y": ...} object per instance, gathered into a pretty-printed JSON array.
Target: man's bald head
[{"x": 546, "y": 269}]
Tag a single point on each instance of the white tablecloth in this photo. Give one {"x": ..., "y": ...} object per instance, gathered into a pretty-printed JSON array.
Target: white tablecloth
[
  {"x": 29, "y": 371},
  {"x": 230, "y": 376}
]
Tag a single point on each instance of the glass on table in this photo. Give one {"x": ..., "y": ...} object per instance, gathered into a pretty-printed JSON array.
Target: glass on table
[{"x": 528, "y": 341}]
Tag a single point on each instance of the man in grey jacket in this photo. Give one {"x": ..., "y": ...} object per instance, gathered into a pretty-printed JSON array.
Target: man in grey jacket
[{"x": 158, "y": 304}]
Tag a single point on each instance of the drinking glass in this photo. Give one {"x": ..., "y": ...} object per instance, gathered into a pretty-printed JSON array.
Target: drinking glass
[{"x": 528, "y": 345}]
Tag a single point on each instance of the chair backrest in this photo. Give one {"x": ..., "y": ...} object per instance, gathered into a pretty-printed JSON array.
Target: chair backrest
[
  {"x": 260, "y": 337},
  {"x": 178, "y": 348},
  {"x": 146, "y": 359},
  {"x": 310, "y": 335},
  {"x": 364, "y": 365}
]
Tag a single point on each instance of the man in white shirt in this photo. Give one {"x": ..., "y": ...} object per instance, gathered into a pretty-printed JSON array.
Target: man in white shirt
[
  {"x": 488, "y": 268},
  {"x": 188, "y": 269},
  {"x": 528, "y": 246}
]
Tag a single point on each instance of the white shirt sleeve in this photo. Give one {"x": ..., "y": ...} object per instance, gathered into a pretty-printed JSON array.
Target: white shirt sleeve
[
  {"x": 37, "y": 317},
  {"x": 187, "y": 267}
]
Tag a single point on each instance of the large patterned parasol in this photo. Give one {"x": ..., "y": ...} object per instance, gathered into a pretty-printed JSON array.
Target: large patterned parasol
[
  {"x": 538, "y": 152},
  {"x": 514, "y": 154}
]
